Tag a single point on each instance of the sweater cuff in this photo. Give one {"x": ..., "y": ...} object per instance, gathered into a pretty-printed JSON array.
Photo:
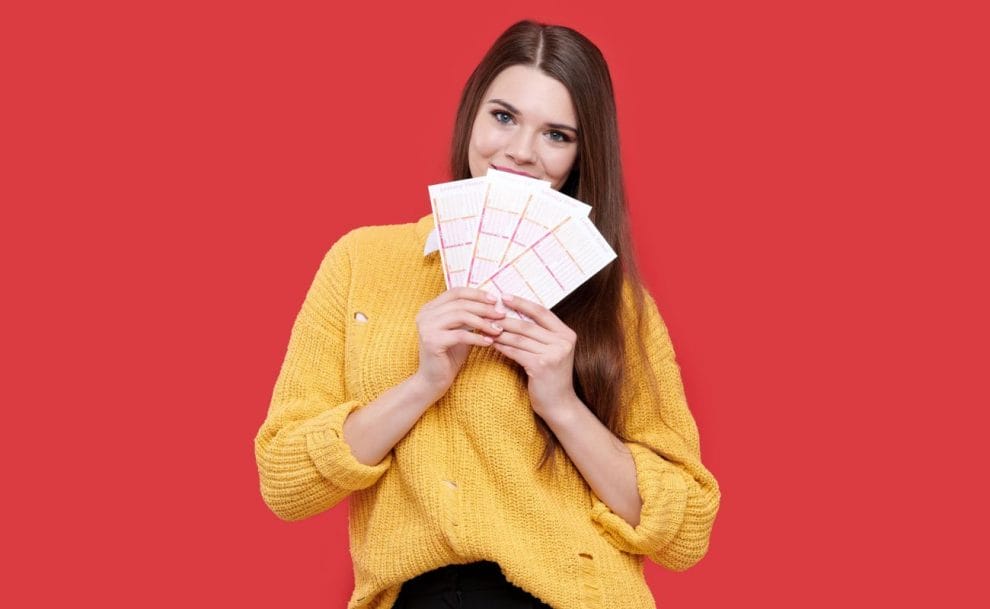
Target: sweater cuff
[
  {"x": 332, "y": 455},
  {"x": 663, "y": 491}
]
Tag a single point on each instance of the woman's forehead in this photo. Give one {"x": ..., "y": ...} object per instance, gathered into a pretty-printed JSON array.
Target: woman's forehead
[{"x": 533, "y": 94}]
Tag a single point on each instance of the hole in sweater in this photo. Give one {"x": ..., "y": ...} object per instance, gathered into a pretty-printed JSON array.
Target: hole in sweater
[
  {"x": 360, "y": 317},
  {"x": 585, "y": 555}
]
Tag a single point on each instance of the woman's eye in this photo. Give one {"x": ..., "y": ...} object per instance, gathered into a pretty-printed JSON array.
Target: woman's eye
[
  {"x": 503, "y": 117},
  {"x": 558, "y": 136}
]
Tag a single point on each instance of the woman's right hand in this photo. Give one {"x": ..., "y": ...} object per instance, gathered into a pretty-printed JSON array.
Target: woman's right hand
[{"x": 445, "y": 327}]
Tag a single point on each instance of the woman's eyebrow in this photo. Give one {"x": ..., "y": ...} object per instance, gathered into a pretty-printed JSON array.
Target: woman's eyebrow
[{"x": 514, "y": 110}]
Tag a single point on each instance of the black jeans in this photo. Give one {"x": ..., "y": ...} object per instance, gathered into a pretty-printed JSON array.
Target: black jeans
[{"x": 479, "y": 585}]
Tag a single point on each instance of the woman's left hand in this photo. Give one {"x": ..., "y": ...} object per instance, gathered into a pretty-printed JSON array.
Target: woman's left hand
[{"x": 545, "y": 349}]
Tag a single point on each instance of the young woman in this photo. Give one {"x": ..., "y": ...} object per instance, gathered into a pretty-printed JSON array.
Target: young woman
[{"x": 488, "y": 461}]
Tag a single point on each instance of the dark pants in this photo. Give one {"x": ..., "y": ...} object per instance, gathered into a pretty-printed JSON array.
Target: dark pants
[{"x": 478, "y": 585}]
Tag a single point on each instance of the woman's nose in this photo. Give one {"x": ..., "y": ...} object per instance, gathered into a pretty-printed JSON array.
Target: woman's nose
[{"x": 520, "y": 148}]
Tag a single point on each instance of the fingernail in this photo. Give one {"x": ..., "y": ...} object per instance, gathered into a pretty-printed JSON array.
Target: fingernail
[
  {"x": 492, "y": 297},
  {"x": 507, "y": 297},
  {"x": 497, "y": 327}
]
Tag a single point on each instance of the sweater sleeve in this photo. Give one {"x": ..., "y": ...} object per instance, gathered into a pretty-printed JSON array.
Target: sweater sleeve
[
  {"x": 680, "y": 496},
  {"x": 304, "y": 465}
]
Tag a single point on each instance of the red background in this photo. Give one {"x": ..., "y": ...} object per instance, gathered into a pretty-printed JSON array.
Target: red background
[{"x": 807, "y": 184}]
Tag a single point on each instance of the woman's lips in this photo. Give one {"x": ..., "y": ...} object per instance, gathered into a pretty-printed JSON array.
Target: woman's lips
[{"x": 507, "y": 170}]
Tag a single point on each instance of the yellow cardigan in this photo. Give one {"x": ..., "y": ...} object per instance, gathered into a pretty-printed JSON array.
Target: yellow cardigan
[{"x": 462, "y": 485}]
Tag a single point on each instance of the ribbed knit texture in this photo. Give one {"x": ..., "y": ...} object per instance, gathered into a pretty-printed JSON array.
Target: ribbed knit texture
[{"x": 462, "y": 486}]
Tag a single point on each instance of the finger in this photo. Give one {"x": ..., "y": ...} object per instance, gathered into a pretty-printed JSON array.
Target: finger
[
  {"x": 477, "y": 308},
  {"x": 466, "y": 293},
  {"x": 531, "y": 330},
  {"x": 452, "y": 338},
  {"x": 519, "y": 356},
  {"x": 456, "y": 319},
  {"x": 470, "y": 338},
  {"x": 537, "y": 312},
  {"x": 523, "y": 343}
]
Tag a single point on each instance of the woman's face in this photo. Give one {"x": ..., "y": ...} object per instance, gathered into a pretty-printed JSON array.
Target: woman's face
[{"x": 526, "y": 124}]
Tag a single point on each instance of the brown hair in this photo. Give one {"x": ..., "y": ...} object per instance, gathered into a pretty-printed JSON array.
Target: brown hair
[{"x": 594, "y": 311}]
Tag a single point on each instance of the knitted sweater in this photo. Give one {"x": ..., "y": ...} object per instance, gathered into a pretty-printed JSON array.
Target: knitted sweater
[{"x": 462, "y": 485}]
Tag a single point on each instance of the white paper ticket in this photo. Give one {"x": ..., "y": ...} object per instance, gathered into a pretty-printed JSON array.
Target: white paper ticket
[
  {"x": 544, "y": 211},
  {"x": 511, "y": 234},
  {"x": 509, "y": 198},
  {"x": 555, "y": 264},
  {"x": 456, "y": 212}
]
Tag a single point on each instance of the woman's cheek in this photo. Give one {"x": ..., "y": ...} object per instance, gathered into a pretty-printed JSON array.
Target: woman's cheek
[
  {"x": 557, "y": 163},
  {"x": 488, "y": 144}
]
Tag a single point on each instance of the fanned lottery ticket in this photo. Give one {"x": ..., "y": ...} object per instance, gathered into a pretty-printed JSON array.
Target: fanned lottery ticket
[
  {"x": 512, "y": 234},
  {"x": 456, "y": 212},
  {"x": 545, "y": 210},
  {"x": 555, "y": 265},
  {"x": 507, "y": 201}
]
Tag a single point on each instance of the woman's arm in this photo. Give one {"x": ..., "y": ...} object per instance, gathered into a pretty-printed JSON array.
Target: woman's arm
[
  {"x": 317, "y": 445},
  {"x": 680, "y": 495},
  {"x": 304, "y": 465},
  {"x": 444, "y": 328},
  {"x": 604, "y": 461},
  {"x": 374, "y": 430},
  {"x": 544, "y": 347},
  {"x": 665, "y": 505}
]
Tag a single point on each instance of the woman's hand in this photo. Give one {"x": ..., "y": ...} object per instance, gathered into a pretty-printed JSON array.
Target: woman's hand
[
  {"x": 545, "y": 349},
  {"x": 445, "y": 327}
]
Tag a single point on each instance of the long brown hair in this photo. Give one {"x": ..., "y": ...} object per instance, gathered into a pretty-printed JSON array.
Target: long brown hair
[{"x": 594, "y": 311}]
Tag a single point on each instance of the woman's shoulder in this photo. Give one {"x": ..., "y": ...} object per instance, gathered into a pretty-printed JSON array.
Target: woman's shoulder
[
  {"x": 637, "y": 297},
  {"x": 385, "y": 238},
  {"x": 383, "y": 251},
  {"x": 641, "y": 314}
]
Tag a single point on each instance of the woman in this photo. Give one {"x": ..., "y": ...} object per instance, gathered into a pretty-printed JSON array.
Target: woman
[{"x": 492, "y": 462}]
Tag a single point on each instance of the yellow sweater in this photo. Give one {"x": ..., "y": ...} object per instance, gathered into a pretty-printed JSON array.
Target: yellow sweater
[{"x": 462, "y": 486}]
